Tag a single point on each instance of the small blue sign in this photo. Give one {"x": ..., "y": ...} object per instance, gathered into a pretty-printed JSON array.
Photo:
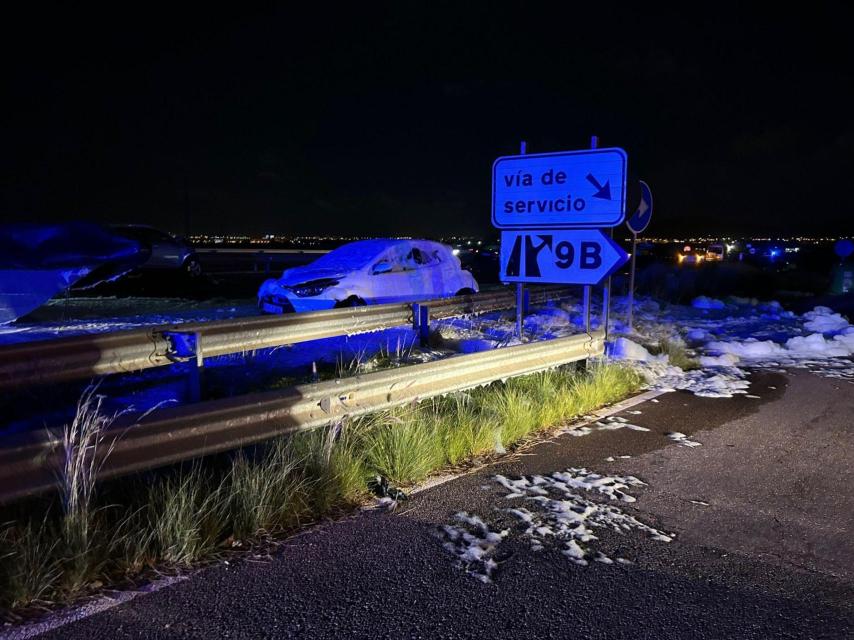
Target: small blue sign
[
  {"x": 640, "y": 220},
  {"x": 567, "y": 190},
  {"x": 844, "y": 248},
  {"x": 582, "y": 256}
]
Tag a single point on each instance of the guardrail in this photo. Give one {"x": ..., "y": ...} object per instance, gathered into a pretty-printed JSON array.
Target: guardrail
[
  {"x": 78, "y": 357},
  {"x": 29, "y": 463}
]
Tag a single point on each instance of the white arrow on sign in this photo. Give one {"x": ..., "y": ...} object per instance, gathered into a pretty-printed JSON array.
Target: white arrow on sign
[
  {"x": 567, "y": 190},
  {"x": 579, "y": 256}
]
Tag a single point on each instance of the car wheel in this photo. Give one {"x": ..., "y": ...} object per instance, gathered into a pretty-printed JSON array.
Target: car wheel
[
  {"x": 352, "y": 301},
  {"x": 192, "y": 267},
  {"x": 465, "y": 292}
]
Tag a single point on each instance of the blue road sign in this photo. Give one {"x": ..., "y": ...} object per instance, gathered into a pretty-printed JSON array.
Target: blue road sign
[
  {"x": 844, "y": 248},
  {"x": 581, "y": 256},
  {"x": 567, "y": 190},
  {"x": 640, "y": 220}
]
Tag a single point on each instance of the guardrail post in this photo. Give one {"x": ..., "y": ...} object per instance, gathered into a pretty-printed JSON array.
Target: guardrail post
[
  {"x": 197, "y": 369},
  {"x": 186, "y": 346},
  {"x": 421, "y": 322}
]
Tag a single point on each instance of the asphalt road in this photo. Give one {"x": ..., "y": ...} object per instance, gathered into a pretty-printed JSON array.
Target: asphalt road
[{"x": 763, "y": 514}]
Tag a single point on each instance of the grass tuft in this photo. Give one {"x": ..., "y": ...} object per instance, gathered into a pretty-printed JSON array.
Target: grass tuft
[
  {"x": 333, "y": 467},
  {"x": 464, "y": 430},
  {"x": 31, "y": 569},
  {"x": 186, "y": 516},
  {"x": 677, "y": 355},
  {"x": 81, "y": 462},
  {"x": 402, "y": 445},
  {"x": 265, "y": 496}
]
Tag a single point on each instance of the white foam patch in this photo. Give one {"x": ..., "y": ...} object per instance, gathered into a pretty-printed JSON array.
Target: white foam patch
[
  {"x": 578, "y": 431},
  {"x": 612, "y": 423},
  {"x": 682, "y": 440},
  {"x": 702, "y": 302},
  {"x": 555, "y": 513},
  {"x": 569, "y": 519},
  {"x": 736, "y": 335},
  {"x": 609, "y": 423},
  {"x": 473, "y": 543},
  {"x": 714, "y": 382},
  {"x": 625, "y": 349},
  {"x": 824, "y": 320}
]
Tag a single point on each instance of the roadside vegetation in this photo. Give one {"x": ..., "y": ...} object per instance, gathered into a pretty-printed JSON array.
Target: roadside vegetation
[
  {"x": 55, "y": 549},
  {"x": 677, "y": 354}
]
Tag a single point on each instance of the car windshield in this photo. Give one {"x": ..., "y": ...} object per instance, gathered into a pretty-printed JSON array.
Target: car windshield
[
  {"x": 145, "y": 234},
  {"x": 352, "y": 256}
]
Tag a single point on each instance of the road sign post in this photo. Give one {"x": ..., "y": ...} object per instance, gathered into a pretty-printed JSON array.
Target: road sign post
[
  {"x": 632, "y": 282},
  {"x": 637, "y": 223},
  {"x": 520, "y": 288},
  {"x": 606, "y": 288},
  {"x": 588, "y": 295}
]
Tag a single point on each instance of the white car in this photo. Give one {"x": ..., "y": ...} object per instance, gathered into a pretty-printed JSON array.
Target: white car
[{"x": 369, "y": 272}]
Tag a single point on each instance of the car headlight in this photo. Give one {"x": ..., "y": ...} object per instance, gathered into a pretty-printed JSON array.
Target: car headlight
[{"x": 313, "y": 288}]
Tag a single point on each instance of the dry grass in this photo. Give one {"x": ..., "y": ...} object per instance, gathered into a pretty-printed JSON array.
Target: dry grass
[{"x": 677, "y": 354}]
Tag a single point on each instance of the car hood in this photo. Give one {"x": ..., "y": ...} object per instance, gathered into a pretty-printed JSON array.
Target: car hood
[{"x": 301, "y": 275}]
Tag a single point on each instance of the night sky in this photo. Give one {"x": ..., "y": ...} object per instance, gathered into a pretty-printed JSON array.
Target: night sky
[{"x": 381, "y": 120}]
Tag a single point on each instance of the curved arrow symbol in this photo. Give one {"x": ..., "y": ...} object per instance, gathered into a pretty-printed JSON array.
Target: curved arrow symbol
[
  {"x": 639, "y": 221},
  {"x": 602, "y": 191}
]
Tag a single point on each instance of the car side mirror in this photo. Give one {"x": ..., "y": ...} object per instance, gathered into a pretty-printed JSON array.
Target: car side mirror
[{"x": 381, "y": 267}]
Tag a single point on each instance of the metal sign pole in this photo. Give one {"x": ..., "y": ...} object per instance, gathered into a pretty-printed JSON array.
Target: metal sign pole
[
  {"x": 636, "y": 224},
  {"x": 632, "y": 281},
  {"x": 520, "y": 288},
  {"x": 587, "y": 295},
  {"x": 606, "y": 288},
  {"x": 606, "y": 301}
]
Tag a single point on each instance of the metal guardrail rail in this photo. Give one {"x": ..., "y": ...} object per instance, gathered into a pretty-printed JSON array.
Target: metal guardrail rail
[
  {"x": 29, "y": 463},
  {"x": 78, "y": 357}
]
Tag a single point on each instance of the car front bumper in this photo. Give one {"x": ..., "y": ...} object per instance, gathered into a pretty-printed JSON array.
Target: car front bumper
[{"x": 294, "y": 304}]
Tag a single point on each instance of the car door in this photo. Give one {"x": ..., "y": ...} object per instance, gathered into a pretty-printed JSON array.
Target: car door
[
  {"x": 453, "y": 278},
  {"x": 391, "y": 277},
  {"x": 165, "y": 250},
  {"x": 429, "y": 277}
]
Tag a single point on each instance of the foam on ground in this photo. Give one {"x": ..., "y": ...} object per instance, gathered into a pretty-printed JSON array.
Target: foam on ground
[{"x": 556, "y": 512}]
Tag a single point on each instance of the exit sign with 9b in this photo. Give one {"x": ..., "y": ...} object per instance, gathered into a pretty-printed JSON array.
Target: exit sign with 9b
[{"x": 581, "y": 256}]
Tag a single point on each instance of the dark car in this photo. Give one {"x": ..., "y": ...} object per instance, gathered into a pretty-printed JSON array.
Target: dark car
[{"x": 167, "y": 252}]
